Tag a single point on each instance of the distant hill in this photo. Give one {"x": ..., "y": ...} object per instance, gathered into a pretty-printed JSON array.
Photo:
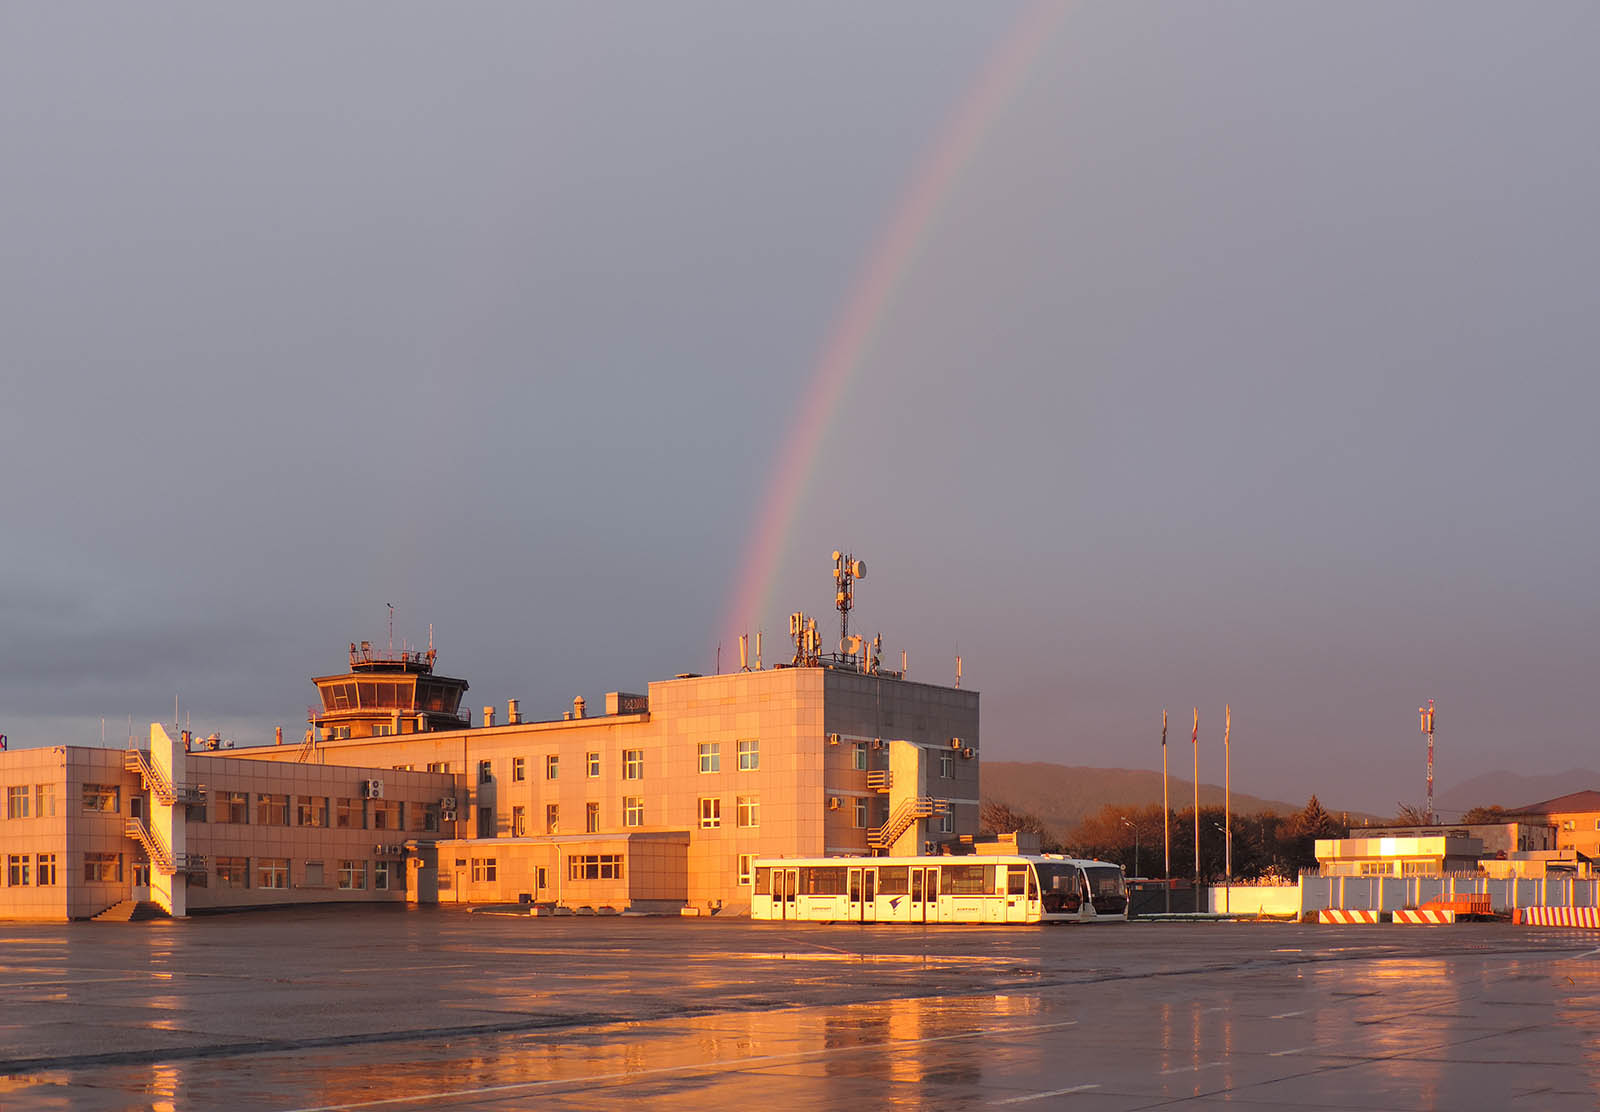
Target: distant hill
[
  {"x": 1506, "y": 789},
  {"x": 1064, "y": 795}
]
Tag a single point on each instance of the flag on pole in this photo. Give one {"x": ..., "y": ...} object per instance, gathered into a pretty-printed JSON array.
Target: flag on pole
[
  {"x": 1195, "y": 740},
  {"x": 1163, "y": 728}
]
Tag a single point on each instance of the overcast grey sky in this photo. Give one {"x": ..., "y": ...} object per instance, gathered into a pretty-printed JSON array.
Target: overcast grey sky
[{"x": 1248, "y": 359}]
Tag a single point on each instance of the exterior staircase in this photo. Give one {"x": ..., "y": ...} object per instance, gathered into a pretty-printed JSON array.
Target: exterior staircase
[
  {"x": 131, "y": 911},
  {"x": 157, "y": 782},
  {"x": 160, "y": 857},
  {"x": 904, "y": 817}
]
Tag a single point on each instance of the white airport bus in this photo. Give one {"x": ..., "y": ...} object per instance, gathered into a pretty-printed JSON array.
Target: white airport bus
[{"x": 969, "y": 889}]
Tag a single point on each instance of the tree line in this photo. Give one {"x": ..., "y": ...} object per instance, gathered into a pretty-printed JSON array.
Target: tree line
[{"x": 1265, "y": 843}]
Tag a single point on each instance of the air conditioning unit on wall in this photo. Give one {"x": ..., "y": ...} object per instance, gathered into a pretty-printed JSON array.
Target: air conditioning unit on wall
[
  {"x": 834, "y": 803},
  {"x": 969, "y": 752},
  {"x": 833, "y": 739},
  {"x": 372, "y": 789}
]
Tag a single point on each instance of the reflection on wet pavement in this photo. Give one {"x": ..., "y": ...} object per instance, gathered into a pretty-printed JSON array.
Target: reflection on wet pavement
[{"x": 455, "y": 1011}]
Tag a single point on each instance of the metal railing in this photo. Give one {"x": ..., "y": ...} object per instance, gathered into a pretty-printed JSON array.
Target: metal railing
[
  {"x": 161, "y": 858},
  {"x": 157, "y": 782},
  {"x": 904, "y": 817},
  {"x": 880, "y": 780}
]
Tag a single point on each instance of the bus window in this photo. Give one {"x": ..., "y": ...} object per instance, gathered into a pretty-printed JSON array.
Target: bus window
[
  {"x": 822, "y": 881},
  {"x": 916, "y": 885},
  {"x": 892, "y": 880},
  {"x": 1017, "y": 879},
  {"x": 763, "y": 881},
  {"x": 969, "y": 880},
  {"x": 855, "y": 885}
]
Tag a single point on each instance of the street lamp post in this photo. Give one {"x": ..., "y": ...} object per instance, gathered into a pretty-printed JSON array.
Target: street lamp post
[{"x": 1135, "y": 828}]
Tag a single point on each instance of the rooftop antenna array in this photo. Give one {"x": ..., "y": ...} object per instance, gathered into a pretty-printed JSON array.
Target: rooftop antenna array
[
  {"x": 846, "y": 570},
  {"x": 807, "y": 641}
]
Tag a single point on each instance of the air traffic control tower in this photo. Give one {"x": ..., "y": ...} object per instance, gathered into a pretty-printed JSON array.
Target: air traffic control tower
[{"x": 387, "y": 693}]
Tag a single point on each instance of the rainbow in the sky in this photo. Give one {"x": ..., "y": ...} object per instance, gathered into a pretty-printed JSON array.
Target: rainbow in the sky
[{"x": 852, "y": 332}]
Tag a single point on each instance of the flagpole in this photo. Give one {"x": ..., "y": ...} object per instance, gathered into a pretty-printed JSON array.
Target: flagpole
[
  {"x": 1166, "y": 818},
  {"x": 1196, "y": 740},
  {"x": 1227, "y": 805},
  {"x": 1227, "y": 790}
]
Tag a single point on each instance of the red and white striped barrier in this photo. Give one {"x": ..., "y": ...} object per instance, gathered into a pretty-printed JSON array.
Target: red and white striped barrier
[
  {"x": 1425, "y": 915},
  {"x": 1559, "y": 917},
  {"x": 1346, "y": 915}
]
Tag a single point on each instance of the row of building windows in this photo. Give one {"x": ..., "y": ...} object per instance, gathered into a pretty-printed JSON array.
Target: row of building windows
[
  {"x": 349, "y": 874},
  {"x": 710, "y": 756},
  {"x": 747, "y": 812},
  {"x": 274, "y": 809},
  {"x": 21, "y": 871},
  {"x": 31, "y": 801}
]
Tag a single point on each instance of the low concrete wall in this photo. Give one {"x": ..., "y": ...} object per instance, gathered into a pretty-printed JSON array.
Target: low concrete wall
[{"x": 1248, "y": 899}]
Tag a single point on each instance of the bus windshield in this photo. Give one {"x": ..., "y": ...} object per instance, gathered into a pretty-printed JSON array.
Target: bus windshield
[
  {"x": 1058, "y": 877},
  {"x": 1104, "y": 880}
]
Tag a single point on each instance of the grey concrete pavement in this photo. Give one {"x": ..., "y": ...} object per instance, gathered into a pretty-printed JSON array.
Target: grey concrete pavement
[{"x": 434, "y": 1008}]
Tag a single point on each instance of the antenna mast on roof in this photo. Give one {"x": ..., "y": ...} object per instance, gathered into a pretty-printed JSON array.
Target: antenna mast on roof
[
  {"x": 846, "y": 570},
  {"x": 1425, "y": 715},
  {"x": 390, "y": 605}
]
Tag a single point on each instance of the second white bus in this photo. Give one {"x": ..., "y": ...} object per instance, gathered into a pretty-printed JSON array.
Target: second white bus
[{"x": 970, "y": 889}]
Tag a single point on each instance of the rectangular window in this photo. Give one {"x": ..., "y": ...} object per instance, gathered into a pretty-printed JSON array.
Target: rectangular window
[
  {"x": 592, "y": 761},
  {"x": 594, "y": 866},
  {"x": 591, "y": 818},
  {"x": 947, "y": 766},
  {"x": 388, "y": 814},
  {"x": 233, "y": 807},
  {"x": 383, "y": 729},
  {"x": 632, "y": 810},
  {"x": 316, "y": 876},
  {"x": 102, "y": 868},
  {"x": 17, "y": 870},
  {"x": 438, "y": 766},
  {"x": 102, "y": 797},
  {"x": 430, "y": 816},
  {"x": 633, "y": 764},
  {"x": 552, "y": 766},
  {"x": 552, "y": 818},
  {"x": 46, "y": 874},
  {"x": 45, "y": 796},
  {"x": 947, "y": 823},
  {"x": 484, "y": 869},
  {"x": 710, "y": 814},
  {"x": 350, "y": 814},
  {"x": 519, "y": 822},
  {"x": 339, "y": 733},
  {"x": 485, "y": 772},
  {"x": 380, "y": 875},
  {"x": 969, "y": 880},
  {"x": 858, "y": 756},
  {"x": 194, "y": 812},
  {"x": 353, "y": 875},
  {"x": 17, "y": 800},
  {"x": 519, "y": 769},
  {"x": 710, "y": 756},
  {"x": 748, "y": 810},
  {"x": 272, "y": 810},
  {"x": 311, "y": 810},
  {"x": 861, "y": 813},
  {"x": 272, "y": 872},
  {"x": 749, "y": 756},
  {"x": 747, "y": 867},
  {"x": 233, "y": 872}
]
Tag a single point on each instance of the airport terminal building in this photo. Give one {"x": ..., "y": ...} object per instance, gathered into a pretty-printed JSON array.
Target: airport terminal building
[{"x": 662, "y": 801}]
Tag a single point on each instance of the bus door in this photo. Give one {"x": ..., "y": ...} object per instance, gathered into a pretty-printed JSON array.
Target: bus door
[
  {"x": 925, "y": 894},
  {"x": 1018, "y": 880},
  {"x": 854, "y": 912},
  {"x": 785, "y": 883},
  {"x": 869, "y": 896}
]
